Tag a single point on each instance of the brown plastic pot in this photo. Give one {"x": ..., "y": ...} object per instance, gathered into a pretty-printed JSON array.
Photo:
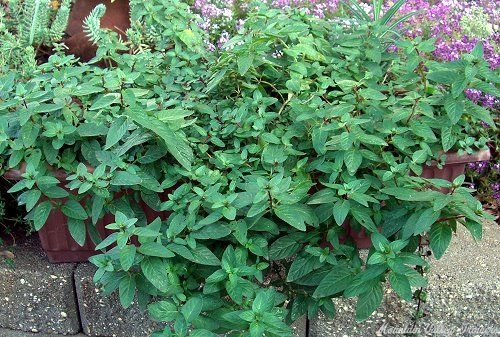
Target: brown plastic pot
[
  {"x": 55, "y": 237},
  {"x": 454, "y": 165}
]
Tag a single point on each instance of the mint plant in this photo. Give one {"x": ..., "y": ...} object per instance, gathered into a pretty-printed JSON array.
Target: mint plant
[{"x": 261, "y": 156}]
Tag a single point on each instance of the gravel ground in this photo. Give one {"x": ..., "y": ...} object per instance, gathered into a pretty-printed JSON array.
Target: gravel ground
[{"x": 463, "y": 297}]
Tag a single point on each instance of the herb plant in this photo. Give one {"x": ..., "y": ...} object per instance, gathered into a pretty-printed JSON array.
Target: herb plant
[{"x": 261, "y": 157}]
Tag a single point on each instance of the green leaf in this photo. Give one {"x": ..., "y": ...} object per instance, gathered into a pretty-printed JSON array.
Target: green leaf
[
  {"x": 401, "y": 285},
  {"x": 127, "y": 291},
  {"x": 440, "y": 238},
  {"x": 425, "y": 221},
  {"x": 454, "y": 108},
  {"x": 192, "y": 309},
  {"x": 475, "y": 228},
  {"x": 370, "y": 139},
  {"x": 373, "y": 94},
  {"x": 284, "y": 247},
  {"x": 91, "y": 130},
  {"x": 191, "y": 39},
  {"x": 163, "y": 311},
  {"x": 336, "y": 281},
  {"x": 78, "y": 230},
  {"x": 176, "y": 144},
  {"x": 212, "y": 231},
  {"x": 363, "y": 216},
  {"x": 97, "y": 207},
  {"x": 30, "y": 198},
  {"x": 340, "y": 211},
  {"x": 301, "y": 266},
  {"x": 368, "y": 302},
  {"x": 447, "y": 138},
  {"x": 353, "y": 160},
  {"x": 201, "y": 333},
  {"x": 73, "y": 209},
  {"x": 297, "y": 215},
  {"x": 54, "y": 192},
  {"x": 124, "y": 178},
  {"x": 203, "y": 255},
  {"x": 154, "y": 249},
  {"x": 127, "y": 256},
  {"x": 105, "y": 101},
  {"x": 264, "y": 301},
  {"x": 419, "y": 156},
  {"x": 107, "y": 241},
  {"x": 116, "y": 132},
  {"x": 445, "y": 77},
  {"x": 244, "y": 63},
  {"x": 155, "y": 271}
]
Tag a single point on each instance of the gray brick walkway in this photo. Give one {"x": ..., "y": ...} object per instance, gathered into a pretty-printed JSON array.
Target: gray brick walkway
[{"x": 38, "y": 299}]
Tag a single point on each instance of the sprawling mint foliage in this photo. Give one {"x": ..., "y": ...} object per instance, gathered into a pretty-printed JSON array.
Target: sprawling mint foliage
[{"x": 256, "y": 157}]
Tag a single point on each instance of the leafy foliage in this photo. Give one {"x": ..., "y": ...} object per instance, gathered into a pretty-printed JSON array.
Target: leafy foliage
[
  {"x": 258, "y": 157},
  {"x": 25, "y": 25}
]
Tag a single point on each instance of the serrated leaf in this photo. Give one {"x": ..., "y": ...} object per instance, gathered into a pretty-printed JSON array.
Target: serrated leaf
[
  {"x": 353, "y": 160},
  {"x": 127, "y": 256},
  {"x": 336, "y": 281},
  {"x": 264, "y": 301},
  {"x": 368, "y": 302},
  {"x": 340, "y": 211},
  {"x": 426, "y": 219},
  {"x": 447, "y": 138},
  {"x": 301, "y": 266},
  {"x": 105, "y": 101},
  {"x": 371, "y": 139},
  {"x": 176, "y": 143},
  {"x": 78, "y": 230},
  {"x": 73, "y": 209},
  {"x": 454, "y": 108},
  {"x": 154, "y": 249},
  {"x": 116, "y": 132},
  {"x": 163, "y": 311},
  {"x": 192, "y": 309},
  {"x": 401, "y": 285},
  {"x": 155, "y": 271},
  {"x": 440, "y": 238},
  {"x": 30, "y": 198},
  {"x": 201, "y": 333},
  {"x": 97, "y": 207},
  {"x": 372, "y": 94},
  {"x": 284, "y": 247},
  {"x": 297, "y": 215},
  {"x": 127, "y": 291},
  {"x": 203, "y": 255},
  {"x": 124, "y": 178},
  {"x": 475, "y": 229},
  {"x": 419, "y": 156},
  {"x": 244, "y": 63}
]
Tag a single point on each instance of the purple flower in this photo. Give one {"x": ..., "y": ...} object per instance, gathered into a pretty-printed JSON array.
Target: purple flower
[
  {"x": 496, "y": 167},
  {"x": 481, "y": 166},
  {"x": 495, "y": 187}
]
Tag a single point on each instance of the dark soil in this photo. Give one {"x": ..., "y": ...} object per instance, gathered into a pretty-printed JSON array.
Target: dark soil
[{"x": 13, "y": 228}]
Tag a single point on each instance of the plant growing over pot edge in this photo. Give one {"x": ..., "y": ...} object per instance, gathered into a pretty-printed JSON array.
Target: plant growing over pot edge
[{"x": 264, "y": 130}]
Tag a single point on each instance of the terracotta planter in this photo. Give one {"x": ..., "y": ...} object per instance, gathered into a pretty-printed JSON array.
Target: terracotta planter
[
  {"x": 55, "y": 237},
  {"x": 454, "y": 165},
  {"x": 116, "y": 17}
]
